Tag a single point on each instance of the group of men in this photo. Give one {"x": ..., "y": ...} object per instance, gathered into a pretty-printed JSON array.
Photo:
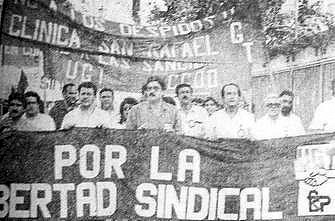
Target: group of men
[{"x": 79, "y": 109}]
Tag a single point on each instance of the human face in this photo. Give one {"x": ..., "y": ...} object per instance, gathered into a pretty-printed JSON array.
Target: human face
[
  {"x": 273, "y": 108},
  {"x": 15, "y": 109},
  {"x": 33, "y": 107},
  {"x": 86, "y": 97},
  {"x": 106, "y": 99},
  {"x": 185, "y": 95},
  {"x": 210, "y": 106},
  {"x": 70, "y": 95},
  {"x": 231, "y": 97},
  {"x": 153, "y": 91},
  {"x": 286, "y": 104}
]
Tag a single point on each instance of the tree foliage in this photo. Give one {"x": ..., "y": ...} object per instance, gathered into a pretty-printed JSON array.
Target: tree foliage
[{"x": 283, "y": 33}]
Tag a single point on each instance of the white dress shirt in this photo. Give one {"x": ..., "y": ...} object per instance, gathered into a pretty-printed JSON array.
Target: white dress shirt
[
  {"x": 223, "y": 125},
  {"x": 324, "y": 116},
  {"x": 86, "y": 118}
]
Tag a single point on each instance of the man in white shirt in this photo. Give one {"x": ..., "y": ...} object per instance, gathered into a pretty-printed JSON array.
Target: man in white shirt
[
  {"x": 32, "y": 119},
  {"x": 291, "y": 123},
  {"x": 106, "y": 96},
  {"x": 268, "y": 126},
  {"x": 193, "y": 117},
  {"x": 232, "y": 121},
  {"x": 87, "y": 114},
  {"x": 324, "y": 117}
]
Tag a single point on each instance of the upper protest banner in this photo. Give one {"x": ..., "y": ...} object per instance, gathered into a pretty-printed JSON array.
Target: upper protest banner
[
  {"x": 105, "y": 174},
  {"x": 78, "y": 47}
]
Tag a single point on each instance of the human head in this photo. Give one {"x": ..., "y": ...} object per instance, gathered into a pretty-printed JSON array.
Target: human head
[
  {"x": 106, "y": 98},
  {"x": 211, "y": 105},
  {"x": 272, "y": 105},
  {"x": 184, "y": 93},
  {"x": 32, "y": 103},
  {"x": 16, "y": 103},
  {"x": 69, "y": 92},
  {"x": 125, "y": 107},
  {"x": 87, "y": 92},
  {"x": 231, "y": 94},
  {"x": 286, "y": 100},
  {"x": 153, "y": 89}
]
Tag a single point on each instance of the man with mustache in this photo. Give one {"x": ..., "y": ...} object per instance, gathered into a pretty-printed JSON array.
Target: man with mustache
[
  {"x": 33, "y": 119},
  {"x": 62, "y": 107},
  {"x": 87, "y": 114},
  {"x": 291, "y": 123},
  {"x": 193, "y": 117},
  {"x": 106, "y": 96},
  {"x": 232, "y": 121},
  {"x": 15, "y": 112},
  {"x": 153, "y": 112}
]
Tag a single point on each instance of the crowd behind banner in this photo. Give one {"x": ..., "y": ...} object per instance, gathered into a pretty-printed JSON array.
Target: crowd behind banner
[{"x": 187, "y": 115}]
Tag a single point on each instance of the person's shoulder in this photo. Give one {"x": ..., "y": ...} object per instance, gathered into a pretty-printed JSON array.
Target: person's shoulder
[
  {"x": 169, "y": 106},
  {"x": 45, "y": 116},
  {"x": 72, "y": 112},
  {"x": 219, "y": 113}
]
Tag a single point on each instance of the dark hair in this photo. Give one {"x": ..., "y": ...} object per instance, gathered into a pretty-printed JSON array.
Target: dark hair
[
  {"x": 210, "y": 99},
  {"x": 154, "y": 78},
  {"x": 38, "y": 99},
  {"x": 127, "y": 100},
  {"x": 169, "y": 100},
  {"x": 286, "y": 92},
  {"x": 16, "y": 96},
  {"x": 198, "y": 100},
  {"x": 64, "y": 90},
  {"x": 181, "y": 86},
  {"x": 88, "y": 85},
  {"x": 106, "y": 89},
  {"x": 231, "y": 84}
]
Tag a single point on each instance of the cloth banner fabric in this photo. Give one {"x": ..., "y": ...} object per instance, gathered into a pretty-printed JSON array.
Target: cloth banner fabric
[
  {"x": 79, "y": 47},
  {"x": 101, "y": 174}
]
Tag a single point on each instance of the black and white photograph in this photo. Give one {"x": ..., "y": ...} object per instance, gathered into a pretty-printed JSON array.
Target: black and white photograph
[{"x": 127, "y": 110}]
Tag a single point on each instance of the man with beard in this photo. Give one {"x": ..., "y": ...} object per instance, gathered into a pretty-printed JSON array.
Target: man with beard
[
  {"x": 15, "y": 111},
  {"x": 153, "y": 112},
  {"x": 291, "y": 123},
  {"x": 87, "y": 114},
  {"x": 62, "y": 107},
  {"x": 106, "y": 96},
  {"x": 193, "y": 117},
  {"x": 33, "y": 119},
  {"x": 232, "y": 121}
]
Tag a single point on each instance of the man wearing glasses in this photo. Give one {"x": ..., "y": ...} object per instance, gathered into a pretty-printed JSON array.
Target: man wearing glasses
[
  {"x": 153, "y": 112},
  {"x": 270, "y": 125}
]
